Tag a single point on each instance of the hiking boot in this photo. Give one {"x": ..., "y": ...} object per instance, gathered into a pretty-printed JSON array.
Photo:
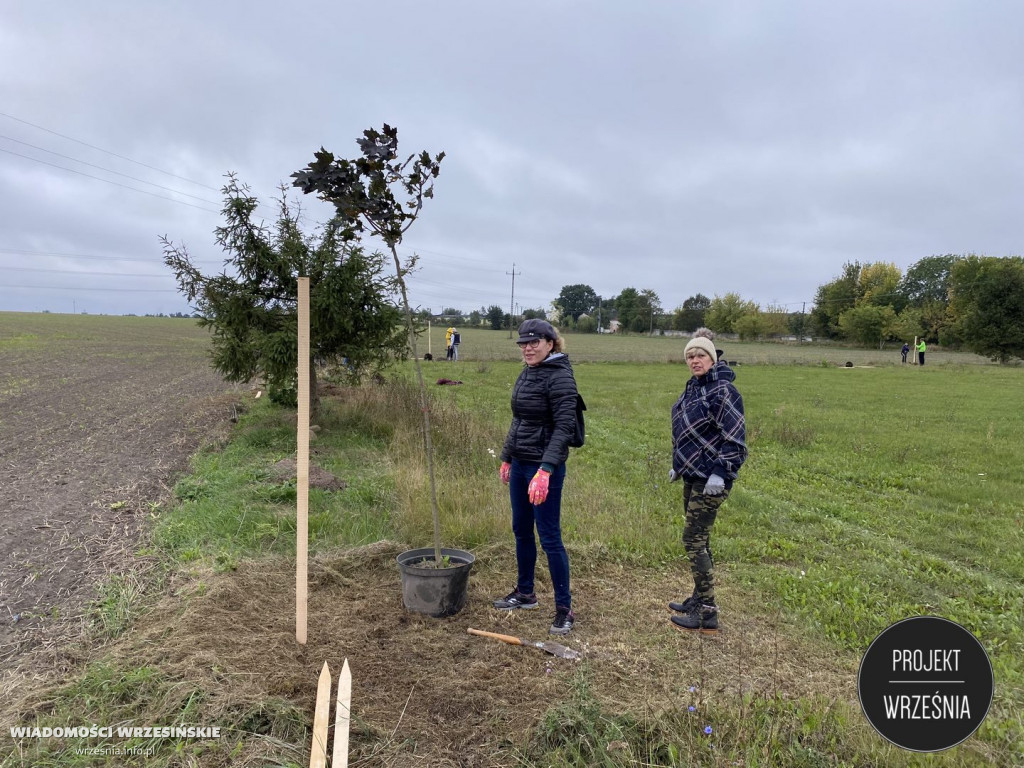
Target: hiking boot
[
  {"x": 686, "y": 605},
  {"x": 702, "y": 617},
  {"x": 564, "y": 619},
  {"x": 515, "y": 599}
]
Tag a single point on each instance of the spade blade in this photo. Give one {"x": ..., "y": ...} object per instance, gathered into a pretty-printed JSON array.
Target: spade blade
[{"x": 555, "y": 649}]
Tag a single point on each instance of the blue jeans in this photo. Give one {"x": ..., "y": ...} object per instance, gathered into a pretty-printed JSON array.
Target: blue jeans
[{"x": 548, "y": 519}]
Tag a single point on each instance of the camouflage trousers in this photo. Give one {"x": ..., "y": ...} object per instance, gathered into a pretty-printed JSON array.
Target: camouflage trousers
[{"x": 701, "y": 511}]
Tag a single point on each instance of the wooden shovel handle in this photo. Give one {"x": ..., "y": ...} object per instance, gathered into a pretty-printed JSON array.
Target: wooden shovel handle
[{"x": 496, "y": 636}]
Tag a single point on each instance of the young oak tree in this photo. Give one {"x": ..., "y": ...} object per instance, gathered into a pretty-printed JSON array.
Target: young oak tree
[
  {"x": 365, "y": 193},
  {"x": 253, "y": 314}
]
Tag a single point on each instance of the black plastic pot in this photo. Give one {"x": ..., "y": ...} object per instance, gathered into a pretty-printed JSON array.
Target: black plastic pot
[{"x": 436, "y": 592}]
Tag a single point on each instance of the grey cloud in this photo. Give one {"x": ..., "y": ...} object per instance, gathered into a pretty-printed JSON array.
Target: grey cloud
[{"x": 694, "y": 147}]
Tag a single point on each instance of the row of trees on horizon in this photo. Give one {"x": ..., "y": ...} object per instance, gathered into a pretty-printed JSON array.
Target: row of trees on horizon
[{"x": 969, "y": 301}]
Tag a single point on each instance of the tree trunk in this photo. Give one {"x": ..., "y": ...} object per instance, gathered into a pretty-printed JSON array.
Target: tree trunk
[
  {"x": 428, "y": 444},
  {"x": 314, "y": 391}
]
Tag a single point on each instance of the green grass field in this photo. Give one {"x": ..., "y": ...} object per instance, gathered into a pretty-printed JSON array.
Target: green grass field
[
  {"x": 871, "y": 494},
  {"x": 895, "y": 491}
]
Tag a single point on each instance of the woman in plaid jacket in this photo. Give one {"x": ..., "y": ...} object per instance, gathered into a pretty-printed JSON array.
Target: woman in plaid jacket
[{"x": 708, "y": 449}]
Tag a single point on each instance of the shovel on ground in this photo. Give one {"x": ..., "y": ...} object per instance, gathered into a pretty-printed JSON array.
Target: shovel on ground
[{"x": 554, "y": 649}]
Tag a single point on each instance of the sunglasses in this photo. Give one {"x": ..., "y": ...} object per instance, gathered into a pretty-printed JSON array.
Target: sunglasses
[{"x": 532, "y": 343}]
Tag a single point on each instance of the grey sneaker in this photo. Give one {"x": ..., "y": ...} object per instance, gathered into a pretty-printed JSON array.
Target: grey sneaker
[
  {"x": 516, "y": 599},
  {"x": 564, "y": 619}
]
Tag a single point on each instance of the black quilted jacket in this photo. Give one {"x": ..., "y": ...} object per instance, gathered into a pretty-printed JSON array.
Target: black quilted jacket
[{"x": 543, "y": 413}]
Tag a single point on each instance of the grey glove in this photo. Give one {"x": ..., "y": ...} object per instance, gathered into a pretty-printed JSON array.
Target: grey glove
[
  {"x": 672, "y": 475},
  {"x": 714, "y": 486}
]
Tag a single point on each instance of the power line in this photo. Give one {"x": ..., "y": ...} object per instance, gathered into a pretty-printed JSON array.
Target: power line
[
  {"x": 21, "y": 252},
  {"x": 108, "y": 181},
  {"x": 107, "y": 151},
  {"x": 101, "y": 290},
  {"x": 414, "y": 249},
  {"x": 467, "y": 295},
  {"x": 448, "y": 287},
  {"x": 85, "y": 274},
  {"x": 108, "y": 170}
]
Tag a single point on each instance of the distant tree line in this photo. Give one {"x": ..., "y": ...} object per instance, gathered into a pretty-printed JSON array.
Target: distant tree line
[
  {"x": 959, "y": 301},
  {"x": 493, "y": 317}
]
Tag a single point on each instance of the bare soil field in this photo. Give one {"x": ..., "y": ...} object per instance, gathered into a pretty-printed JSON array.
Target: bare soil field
[{"x": 91, "y": 434}]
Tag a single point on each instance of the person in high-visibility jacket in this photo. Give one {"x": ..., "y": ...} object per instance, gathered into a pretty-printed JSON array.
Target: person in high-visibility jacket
[{"x": 448, "y": 342}]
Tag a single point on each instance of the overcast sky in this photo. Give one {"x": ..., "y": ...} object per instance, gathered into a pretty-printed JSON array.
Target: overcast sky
[{"x": 684, "y": 147}]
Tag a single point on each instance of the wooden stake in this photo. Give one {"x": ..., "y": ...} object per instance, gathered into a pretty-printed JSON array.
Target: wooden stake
[
  {"x": 302, "y": 468},
  {"x": 342, "y": 718},
  {"x": 318, "y": 749}
]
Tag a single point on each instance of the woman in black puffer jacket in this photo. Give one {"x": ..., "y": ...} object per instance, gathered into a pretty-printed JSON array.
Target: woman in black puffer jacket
[{"x": 533, "y": 466}]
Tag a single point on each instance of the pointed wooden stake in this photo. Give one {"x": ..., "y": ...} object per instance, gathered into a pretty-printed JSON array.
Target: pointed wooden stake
[
  {"x": 318, "y": 749},
  {"x": 342, "y": 718}
]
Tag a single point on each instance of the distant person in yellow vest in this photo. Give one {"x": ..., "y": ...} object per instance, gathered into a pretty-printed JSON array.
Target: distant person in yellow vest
[
  {"x": 448, "y": 342},
  {"x": 920, "y": 352}
]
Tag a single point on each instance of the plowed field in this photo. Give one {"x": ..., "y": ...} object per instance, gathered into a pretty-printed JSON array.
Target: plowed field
[{"x": 97, "y": 417}]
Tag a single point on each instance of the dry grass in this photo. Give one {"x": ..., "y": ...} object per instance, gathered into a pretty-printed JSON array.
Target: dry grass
[{"x": 424, "y": 691}]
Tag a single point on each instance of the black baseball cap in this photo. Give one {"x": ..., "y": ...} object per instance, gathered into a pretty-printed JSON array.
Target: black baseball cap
[{"x": 536, "y": 328}]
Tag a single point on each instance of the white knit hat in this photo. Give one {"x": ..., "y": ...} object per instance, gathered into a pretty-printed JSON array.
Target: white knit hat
[{"x": 702, "y": 342}]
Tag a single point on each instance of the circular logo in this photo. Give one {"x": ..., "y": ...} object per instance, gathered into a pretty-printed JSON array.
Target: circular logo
[{"x": 925, "y": 684}]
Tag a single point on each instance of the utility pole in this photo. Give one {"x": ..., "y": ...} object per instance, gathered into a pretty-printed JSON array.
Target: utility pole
[{"x": 512, "y": 304}]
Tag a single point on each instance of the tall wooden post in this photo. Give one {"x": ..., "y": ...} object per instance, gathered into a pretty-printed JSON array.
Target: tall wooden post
[{"x": 302, "y": 468}]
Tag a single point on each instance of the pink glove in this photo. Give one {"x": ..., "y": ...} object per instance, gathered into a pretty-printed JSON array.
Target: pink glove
[
  {"x": 505, "y": 472},
  {"x": 539, "y": 487}
]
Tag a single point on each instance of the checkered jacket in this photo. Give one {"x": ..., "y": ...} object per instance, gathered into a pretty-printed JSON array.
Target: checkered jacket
[{"x": 708, "y": 427}]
